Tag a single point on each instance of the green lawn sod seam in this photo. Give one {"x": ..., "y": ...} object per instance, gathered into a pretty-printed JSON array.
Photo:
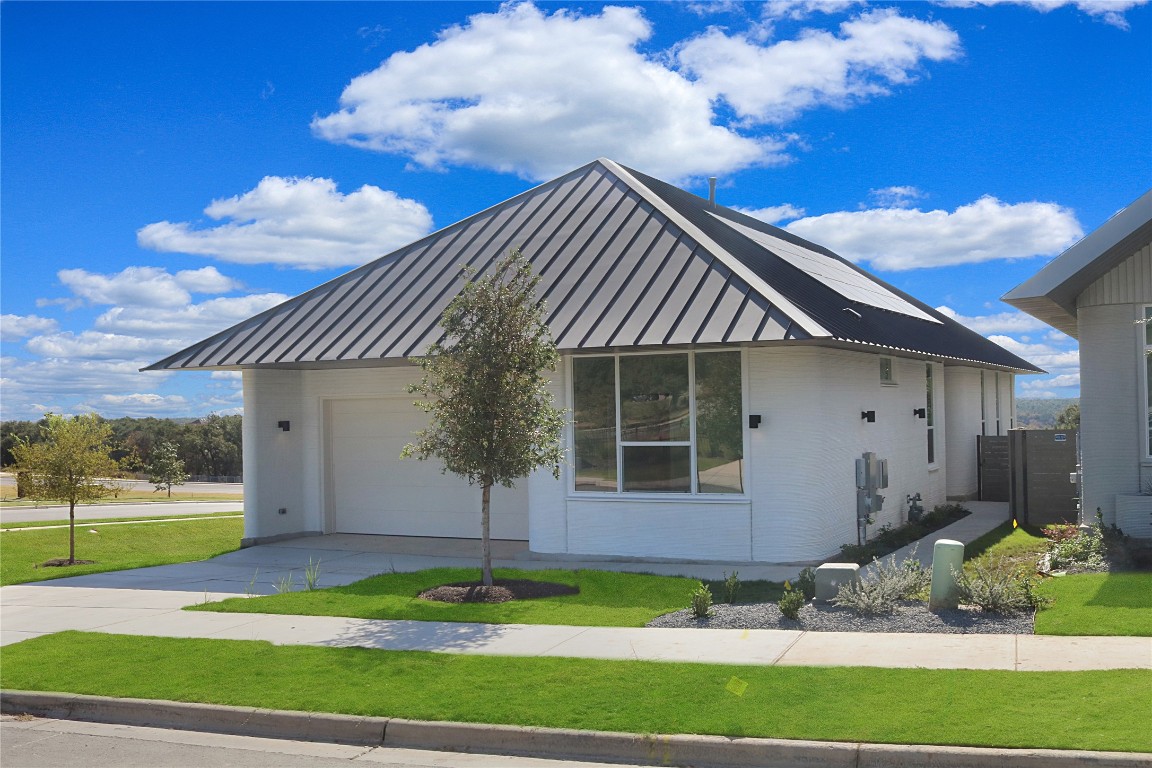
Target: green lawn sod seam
[
  {"x": 606, "y": 598},
  {"x": 1097, "y": 710},
  {"x": 115, "y": 547}
]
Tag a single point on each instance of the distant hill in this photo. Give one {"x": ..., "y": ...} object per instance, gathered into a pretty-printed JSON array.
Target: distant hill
[{"x": 1041, "y": 413}]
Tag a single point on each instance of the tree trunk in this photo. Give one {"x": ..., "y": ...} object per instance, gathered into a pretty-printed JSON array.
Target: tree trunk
[
  {"x": 72, "y": 532},
  {"x": 169, "y": 491},
  {"x": 486, "y": 541}
]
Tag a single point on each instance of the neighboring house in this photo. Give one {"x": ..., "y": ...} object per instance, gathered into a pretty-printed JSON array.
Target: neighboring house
[
  {"x": 1100, "y": 292},
  {"x": 718, "y": 370}
]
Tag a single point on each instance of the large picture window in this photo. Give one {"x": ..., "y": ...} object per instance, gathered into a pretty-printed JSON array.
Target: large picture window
[{"x": 664, "y": 423}]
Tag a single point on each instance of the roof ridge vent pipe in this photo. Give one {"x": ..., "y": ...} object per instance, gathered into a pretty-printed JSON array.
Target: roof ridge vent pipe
[{"x": 712, "y": 191}]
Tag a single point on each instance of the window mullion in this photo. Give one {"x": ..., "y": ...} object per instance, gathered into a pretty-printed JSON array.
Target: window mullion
[
  {"x": 619, "y": 444},
  {"x": 693, "y": 485}
]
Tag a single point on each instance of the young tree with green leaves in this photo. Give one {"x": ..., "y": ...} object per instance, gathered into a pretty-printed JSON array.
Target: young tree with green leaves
[
  {"x": 70, "y": 463},
  {"x": 166, "y": 468},
  {"x": 493, "y": 420}
]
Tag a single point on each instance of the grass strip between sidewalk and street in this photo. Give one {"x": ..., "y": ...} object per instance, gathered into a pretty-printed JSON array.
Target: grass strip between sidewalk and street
[
  {"x": 606, "y": 599},
  {"x": 115, "y": 547},
  {"x": 1098, "y": 710}
]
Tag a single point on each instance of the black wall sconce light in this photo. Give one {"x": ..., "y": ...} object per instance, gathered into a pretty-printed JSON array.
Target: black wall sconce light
[
  {"x": 920, "y": 413},
  {"x": 284, "y": 425},
  {"x": 868, "y": 416},
  {"x": 754, "y": 421}
]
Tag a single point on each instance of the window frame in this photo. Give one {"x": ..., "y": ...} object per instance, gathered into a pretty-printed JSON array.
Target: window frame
[
  {"x": 930, "y": 414},
  {"x": 693, "y": 494},
  {"x": 891, "y": 380},
  {"x": 1145, "y": 373}
]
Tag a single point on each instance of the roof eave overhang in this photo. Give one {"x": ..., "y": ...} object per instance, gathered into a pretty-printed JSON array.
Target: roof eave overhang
[{"x": 1051, "y": 294}]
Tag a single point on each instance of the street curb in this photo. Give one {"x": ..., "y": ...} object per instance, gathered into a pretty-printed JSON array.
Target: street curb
[{"x": 556, "y": 743}]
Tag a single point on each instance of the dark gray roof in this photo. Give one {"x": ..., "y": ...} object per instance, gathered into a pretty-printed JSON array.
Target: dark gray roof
[
  {"x": 626, "y": 261},
  {"x": 1051, "y": 293}
]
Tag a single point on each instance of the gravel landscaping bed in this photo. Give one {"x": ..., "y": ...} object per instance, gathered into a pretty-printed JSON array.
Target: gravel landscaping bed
[{"x": 908, "y": 617}]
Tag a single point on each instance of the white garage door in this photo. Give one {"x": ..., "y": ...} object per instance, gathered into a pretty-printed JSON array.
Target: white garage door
[{"x": 371, "y": 490}]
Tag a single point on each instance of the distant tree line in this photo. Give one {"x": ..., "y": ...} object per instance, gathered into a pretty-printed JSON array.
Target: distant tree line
[
  {"x": 209, "y": 446},
  {"x": 1048, "y": 413}
]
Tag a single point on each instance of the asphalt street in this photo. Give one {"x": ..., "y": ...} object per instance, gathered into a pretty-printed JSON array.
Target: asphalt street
[{"x": 46, "y": 743}]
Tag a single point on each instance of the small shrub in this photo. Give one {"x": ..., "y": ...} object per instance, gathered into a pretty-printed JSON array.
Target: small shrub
[
  {"x": 702, "y": 601},
  {"x": 996, "y": 586},
  {"x": 791, "y": 602},
  {"x": 285, "y": 583},
  {"x": 884, "y": 587},
  {"x": 1077, "y": 550},
  {"x": 806, "y": 583},
  {"x": 311, "y": 575},
  {"x": 731, "y": 586}
]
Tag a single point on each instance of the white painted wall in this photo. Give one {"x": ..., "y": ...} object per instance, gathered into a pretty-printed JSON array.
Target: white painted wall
[
  {"x": 962, "y": 409},
  {"x": 291, "y": 469},
  {"x": 800, "y": 464},
  {"x": 803, "y": 457},
  {"x": 1111, "y": 392}
]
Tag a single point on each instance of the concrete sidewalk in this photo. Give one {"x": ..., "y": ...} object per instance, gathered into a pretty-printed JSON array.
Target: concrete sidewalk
[
  {"x": 148, "y": 601},
  {"x": 29, "y": 611}
]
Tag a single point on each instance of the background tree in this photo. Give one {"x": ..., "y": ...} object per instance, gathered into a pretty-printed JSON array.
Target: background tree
[
  {"x": 70, "y": 463},
  {"x": 1069, "y": 418},
  {"x": 166, "y": 468},
  {"x": 492, "y": 415}
]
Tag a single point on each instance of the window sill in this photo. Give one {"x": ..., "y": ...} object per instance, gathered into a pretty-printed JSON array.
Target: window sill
[{"x": 663, "y": 498}]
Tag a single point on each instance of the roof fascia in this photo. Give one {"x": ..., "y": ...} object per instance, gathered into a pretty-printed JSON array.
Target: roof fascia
[
  {"x": 797, "y": 315},
  {"x": 1052, "y": 292}
]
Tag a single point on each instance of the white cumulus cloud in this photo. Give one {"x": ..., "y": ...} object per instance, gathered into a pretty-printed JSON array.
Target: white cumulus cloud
[
  {"x": 94, "y": 345},
  {"x": 522, "y": 91},
  {"x": 775, "y": 82},
  {"x": 1109, "y": 11},
  {"x": 1001, "y": 322},
  {"x": 189, "y": 323},
  {"x": 306, "y": 223},
  {"x": 16, "y": 327},
  {"x": 986, "y": 230},
  {"x": 145, "y": 286},
  {"x": 1055, "y": 360}
]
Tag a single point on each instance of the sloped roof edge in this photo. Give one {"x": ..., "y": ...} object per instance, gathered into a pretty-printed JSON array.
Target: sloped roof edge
[
  {"x": 798, "y": 316},
  {"x": 1050, "y": 295}
]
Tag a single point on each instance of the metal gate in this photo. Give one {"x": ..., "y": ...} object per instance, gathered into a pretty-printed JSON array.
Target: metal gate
[{"x": 1042, "y": 461}]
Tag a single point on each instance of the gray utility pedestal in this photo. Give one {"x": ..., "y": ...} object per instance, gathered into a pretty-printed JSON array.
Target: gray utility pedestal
[{"x": 831, "y": 576}]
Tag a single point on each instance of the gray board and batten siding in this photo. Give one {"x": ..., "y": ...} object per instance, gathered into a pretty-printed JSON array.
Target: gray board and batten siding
[{"x": 626, "y": 261}]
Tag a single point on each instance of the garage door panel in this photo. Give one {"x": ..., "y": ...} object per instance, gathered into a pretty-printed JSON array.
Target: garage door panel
[{"x": 372, "y": 490}]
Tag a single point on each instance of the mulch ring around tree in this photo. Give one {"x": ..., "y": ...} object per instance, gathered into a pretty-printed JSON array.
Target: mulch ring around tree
[
  {"x": 501, "y": 591},
  {"x": 63, "y": 562}
]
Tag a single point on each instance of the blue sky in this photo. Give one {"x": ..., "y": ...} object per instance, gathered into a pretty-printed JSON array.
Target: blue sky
[{"x": 169, "y": 169}]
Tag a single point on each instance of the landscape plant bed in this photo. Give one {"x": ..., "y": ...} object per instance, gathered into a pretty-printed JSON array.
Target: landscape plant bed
[
  {"x": 1094, "y": 710},
  {"x": 604, "y": 599},
  {"x": 909, "y": 616},
  {"x": 501, "y": 591},
  {"x": 887, "y": 539}
]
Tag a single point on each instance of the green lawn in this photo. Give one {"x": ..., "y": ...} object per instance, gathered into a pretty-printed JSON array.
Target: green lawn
[
  {"x": 1097, "y": 604},
  {"x": 115, "y": 547},
  {"x": 606, "y": 599},
  {"x": 1052, "y": 710}
]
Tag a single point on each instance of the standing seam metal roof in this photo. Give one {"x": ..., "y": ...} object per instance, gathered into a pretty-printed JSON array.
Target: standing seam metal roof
[{"x": 625, "y": 261}]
